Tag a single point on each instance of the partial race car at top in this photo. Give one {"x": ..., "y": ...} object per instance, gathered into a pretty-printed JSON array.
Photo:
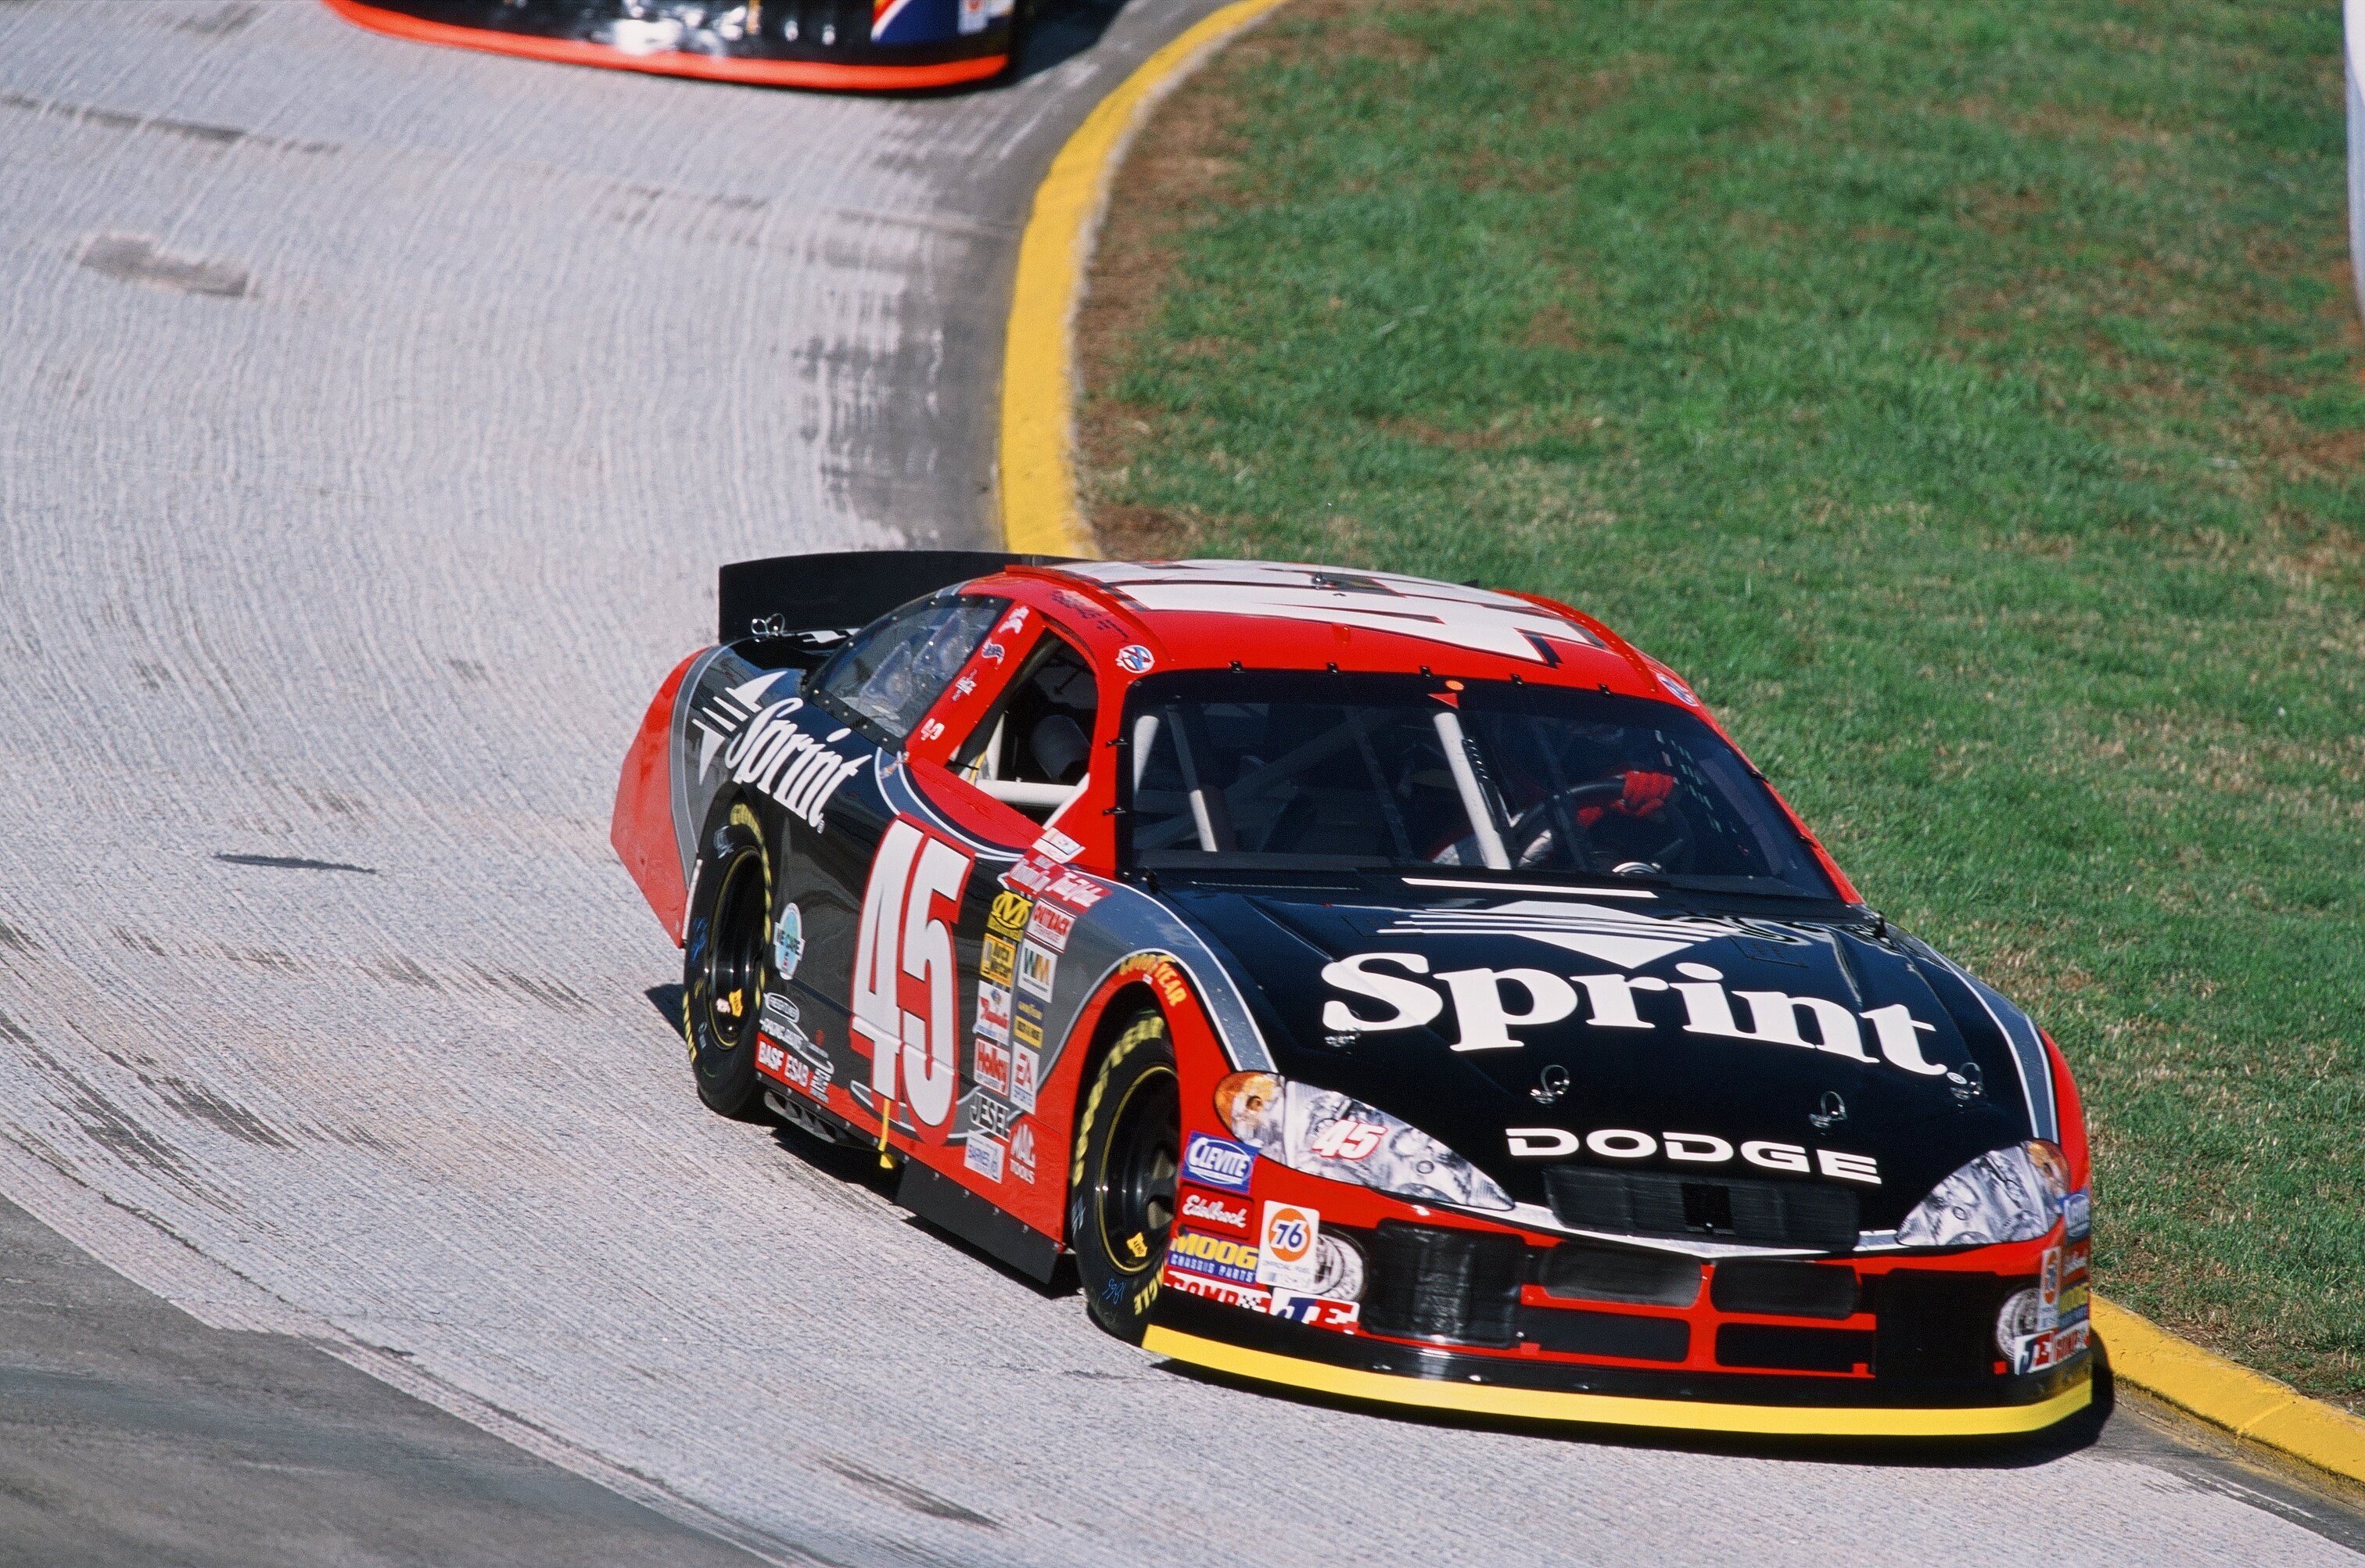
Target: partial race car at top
[
  {"x": 860, "y": 45},
  {"x": 1383, "y": 987}
]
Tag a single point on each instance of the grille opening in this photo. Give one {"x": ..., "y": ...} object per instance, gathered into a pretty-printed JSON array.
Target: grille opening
[
  {"x": 1806, "y": 1215},
  {"x": 1430, "y": 1282},
  {"x": 1575, "y": 1331},
  {"x": 1938, "y": 1326},
  {"x": 1778, "y": 1349},
  {"x": 1785, "y": 1290},
  {"x": 1708, "y": 1207},
  {"x": 1604, "y": 1273}
]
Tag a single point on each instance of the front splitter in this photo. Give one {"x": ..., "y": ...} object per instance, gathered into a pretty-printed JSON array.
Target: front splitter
[
  {"x": 568, "y": 41},
  {"x": 1467, "y": 1396}
]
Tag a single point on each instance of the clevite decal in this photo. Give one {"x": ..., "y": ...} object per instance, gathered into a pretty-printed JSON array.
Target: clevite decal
[
  {"x": 1219, "y": 1162},
  {"x": 1489, "y": 1003}
]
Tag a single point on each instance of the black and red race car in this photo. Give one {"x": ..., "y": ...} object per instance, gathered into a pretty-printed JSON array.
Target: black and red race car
[
  {"x": 854, "y": 45},
  {"x": 1385, "y": 987}
]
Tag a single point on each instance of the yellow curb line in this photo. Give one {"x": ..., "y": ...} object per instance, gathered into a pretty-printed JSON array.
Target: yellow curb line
[
  {"x": 2254, "y": 1408},
  {"x": 1039, "y": 515}
]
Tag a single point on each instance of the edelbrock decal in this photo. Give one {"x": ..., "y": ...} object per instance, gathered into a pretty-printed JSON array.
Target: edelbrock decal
[{"x": 1486, "y": 1016}]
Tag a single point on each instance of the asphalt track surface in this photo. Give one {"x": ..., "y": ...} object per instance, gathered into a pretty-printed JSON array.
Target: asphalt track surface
[{"x": 374, "y": 418}]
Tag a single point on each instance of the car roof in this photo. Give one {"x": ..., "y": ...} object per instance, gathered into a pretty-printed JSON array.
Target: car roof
[{"x": 1276, "y": 615}]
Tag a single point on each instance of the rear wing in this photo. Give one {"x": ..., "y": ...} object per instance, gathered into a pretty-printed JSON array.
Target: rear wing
[{"x": 840, "y": 590}]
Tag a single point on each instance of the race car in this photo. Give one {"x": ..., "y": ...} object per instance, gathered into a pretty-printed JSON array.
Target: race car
[
  {"x": 1383, "y": 987},
  {"x": 844, "y": 44}
]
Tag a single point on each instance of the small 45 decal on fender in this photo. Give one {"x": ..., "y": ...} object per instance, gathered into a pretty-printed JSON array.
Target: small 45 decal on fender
[{"x": 906, "y": 988}]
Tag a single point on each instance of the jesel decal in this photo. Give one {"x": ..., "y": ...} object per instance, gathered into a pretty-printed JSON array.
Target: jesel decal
[{"x": 1487, "y": 1014}]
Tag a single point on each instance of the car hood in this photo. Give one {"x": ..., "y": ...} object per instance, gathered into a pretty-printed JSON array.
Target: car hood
[{"x": 1527, "y": 1032}]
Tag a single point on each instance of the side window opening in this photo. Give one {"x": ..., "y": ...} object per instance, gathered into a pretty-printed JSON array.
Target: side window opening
[
  {"x": 1034, "y": 751},
  {"x": 894, "y": 668}
]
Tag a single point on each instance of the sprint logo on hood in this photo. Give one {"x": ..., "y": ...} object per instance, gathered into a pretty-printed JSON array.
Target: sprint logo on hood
[{"x": 1489, "y": 1003}]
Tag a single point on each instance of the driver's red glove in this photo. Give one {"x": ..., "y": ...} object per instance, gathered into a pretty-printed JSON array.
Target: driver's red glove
[{"x": 1645, "y": 793}]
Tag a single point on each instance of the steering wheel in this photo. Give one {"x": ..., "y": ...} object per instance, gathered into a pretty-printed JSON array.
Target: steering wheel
[{"x": 1531, "y": 837}]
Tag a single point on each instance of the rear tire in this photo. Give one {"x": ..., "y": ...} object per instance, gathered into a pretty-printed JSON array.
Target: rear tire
[
  {"x": 1121, "y": 1188},
  {"x": 725, "y": 950}
]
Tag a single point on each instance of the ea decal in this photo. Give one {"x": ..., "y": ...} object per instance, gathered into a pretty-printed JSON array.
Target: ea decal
[{"x": 1134, "y": 659}]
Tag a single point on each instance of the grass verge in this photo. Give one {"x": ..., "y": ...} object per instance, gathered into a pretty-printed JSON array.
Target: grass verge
[{"x": 1966, "y": 397}]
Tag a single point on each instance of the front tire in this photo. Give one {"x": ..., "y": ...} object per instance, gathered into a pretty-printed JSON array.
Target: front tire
[
  {"x": 724, "y": 951},
  {"x": 1128, "y": 1152}
]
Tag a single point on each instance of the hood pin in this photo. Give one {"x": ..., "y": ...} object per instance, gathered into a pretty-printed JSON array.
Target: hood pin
[
  {"x": 1551, "y": 1084},
  {"x": 1969, "y": 1083},
  {"x": 1833, "y": 1112}
]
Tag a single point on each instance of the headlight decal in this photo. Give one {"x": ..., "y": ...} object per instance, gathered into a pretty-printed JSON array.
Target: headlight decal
[
  {"x": 2007, "y": 1194},
  {"x": 1324, "y": 1133}
]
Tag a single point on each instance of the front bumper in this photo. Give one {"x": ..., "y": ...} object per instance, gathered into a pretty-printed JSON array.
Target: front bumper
[
  {"x": 1277, "y": 1351},
  {"x": 581, "y": 32},
  {"x": 1448, "y": 1311}
]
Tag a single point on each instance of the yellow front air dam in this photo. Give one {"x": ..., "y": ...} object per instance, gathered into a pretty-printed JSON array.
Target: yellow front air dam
[{"x": 1618, "y": 1410}]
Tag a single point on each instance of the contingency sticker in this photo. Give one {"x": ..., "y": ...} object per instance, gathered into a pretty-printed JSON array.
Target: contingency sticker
[{"x": 1289, "y": 1247}]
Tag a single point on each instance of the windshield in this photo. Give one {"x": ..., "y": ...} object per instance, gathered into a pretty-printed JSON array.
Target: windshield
[{"x": 1249, "y": 767}]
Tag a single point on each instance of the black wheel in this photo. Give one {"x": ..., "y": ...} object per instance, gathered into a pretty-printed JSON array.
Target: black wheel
[
  {"x": 723, "y": 957},
  {"x": 1121, "y": 1202}
]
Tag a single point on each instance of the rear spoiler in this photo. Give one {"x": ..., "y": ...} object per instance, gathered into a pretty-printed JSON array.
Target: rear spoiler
[{"x": 839, "y": 590}]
